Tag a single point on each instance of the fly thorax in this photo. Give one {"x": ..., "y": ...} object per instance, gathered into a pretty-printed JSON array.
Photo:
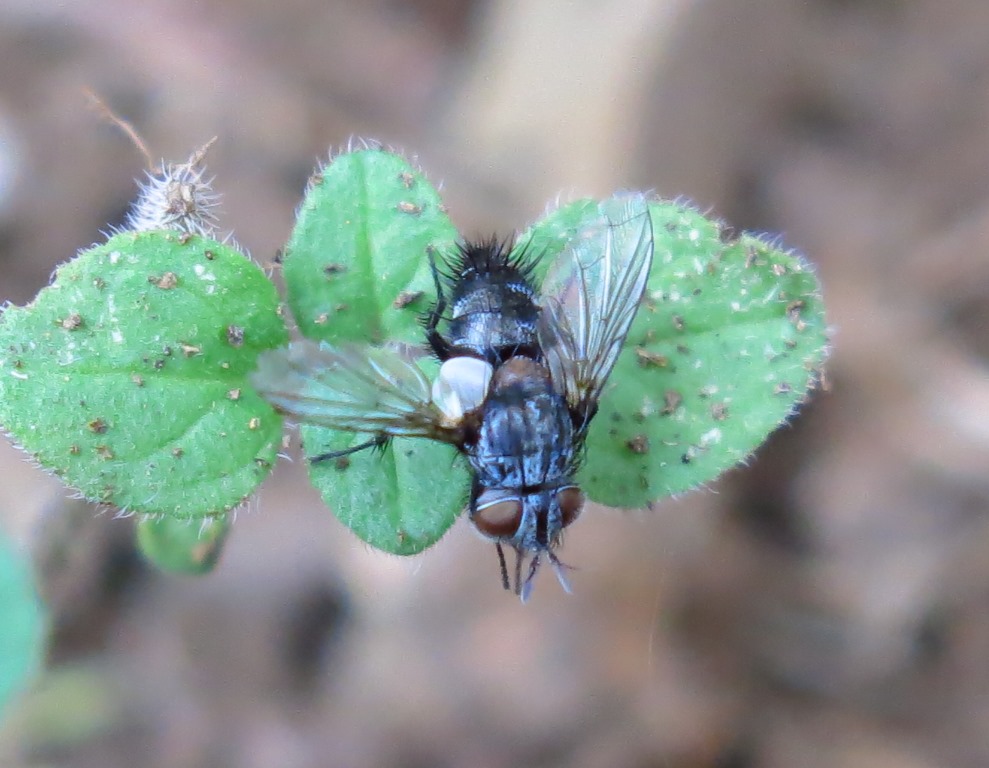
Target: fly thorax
[{"x": 525, "y": 438}]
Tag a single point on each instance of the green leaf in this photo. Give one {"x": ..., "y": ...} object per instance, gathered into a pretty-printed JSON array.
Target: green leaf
[
  {"x": 549, "y": 236},
  {"x": 401, "y": 499},
  {"x": 183, "y": 546},
  {"x": 356, "y": 266},
  {"x": 730, "y": 339},
  {"x": 357, "y": 270},
  {"x": 128, "y": 375},
  {"x": 21, "y": 623}
]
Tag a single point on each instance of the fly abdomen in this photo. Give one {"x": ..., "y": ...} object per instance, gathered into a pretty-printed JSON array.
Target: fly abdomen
[{"x": 489, "y": 304}]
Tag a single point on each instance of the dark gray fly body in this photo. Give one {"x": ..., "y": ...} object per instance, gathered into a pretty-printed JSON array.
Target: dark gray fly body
[
  {"x": 522, "y": 372},
  {"x": 523, "y": 440}
]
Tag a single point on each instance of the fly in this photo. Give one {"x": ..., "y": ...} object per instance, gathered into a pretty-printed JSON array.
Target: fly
[{"x": 521, "y": 376}]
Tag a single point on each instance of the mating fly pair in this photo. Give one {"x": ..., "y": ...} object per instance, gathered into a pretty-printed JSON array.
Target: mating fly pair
[{"x": 522, "y": 372}]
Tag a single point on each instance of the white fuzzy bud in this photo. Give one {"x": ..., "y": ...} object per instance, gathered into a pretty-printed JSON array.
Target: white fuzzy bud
[{"x": 177, "y": 197}]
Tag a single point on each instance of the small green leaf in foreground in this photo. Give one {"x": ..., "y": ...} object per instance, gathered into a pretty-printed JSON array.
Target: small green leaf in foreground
[
  {"x": 357, "y": 271},
  {"x": 127, "y": 376}
]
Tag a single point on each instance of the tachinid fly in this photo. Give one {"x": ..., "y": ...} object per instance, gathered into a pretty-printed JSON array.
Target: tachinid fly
[{"x": 522, "y": 372}]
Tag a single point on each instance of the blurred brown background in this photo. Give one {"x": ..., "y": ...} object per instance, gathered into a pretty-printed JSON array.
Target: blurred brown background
[{"x": 828, "y": 606}]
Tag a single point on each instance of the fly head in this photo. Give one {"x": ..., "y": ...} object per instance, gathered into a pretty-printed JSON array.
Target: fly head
[{"x": 532, "y": 524}]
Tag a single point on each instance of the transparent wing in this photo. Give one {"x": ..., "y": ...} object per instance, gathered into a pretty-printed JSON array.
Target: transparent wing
[
  {"x": 357, "y": 389},
  {"x": 590, "y": 297}
]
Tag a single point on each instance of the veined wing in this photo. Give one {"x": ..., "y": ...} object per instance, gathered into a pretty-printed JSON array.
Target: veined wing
[
  {"x": 354, "y": 388},
  {"x": 590, "y": 297}
]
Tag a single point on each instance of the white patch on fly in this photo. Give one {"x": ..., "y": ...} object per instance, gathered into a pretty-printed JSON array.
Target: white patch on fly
[{"x": 461, "y": 386}]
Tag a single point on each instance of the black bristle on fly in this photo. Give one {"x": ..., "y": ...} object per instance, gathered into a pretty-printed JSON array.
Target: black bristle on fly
[{"x": 490, "y": 258}]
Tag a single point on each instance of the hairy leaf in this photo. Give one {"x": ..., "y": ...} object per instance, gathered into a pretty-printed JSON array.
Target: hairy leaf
[
  {"x": 127, "y": 376},
  {"x": 357, "y": 270}
]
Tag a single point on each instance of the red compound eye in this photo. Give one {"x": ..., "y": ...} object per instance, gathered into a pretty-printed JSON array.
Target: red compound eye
[
  {"x": 499, "y": 520},
  {"x": 571, "y": 502}
]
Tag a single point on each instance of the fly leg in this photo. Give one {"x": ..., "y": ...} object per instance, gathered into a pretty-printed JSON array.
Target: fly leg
[
  {"x": 504, "y": 569},
  {"x": 440, "y": 346},
  {"x": 378, "y": 441}
]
